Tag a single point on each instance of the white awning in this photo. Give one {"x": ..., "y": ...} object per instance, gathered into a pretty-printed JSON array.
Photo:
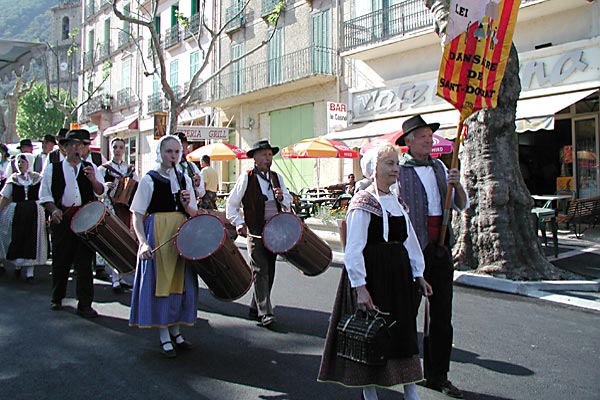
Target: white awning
[
  {"x": 15, "y": 55},
  {"x": 532, "y": 115},
  {"x": 126, "y": 124}
]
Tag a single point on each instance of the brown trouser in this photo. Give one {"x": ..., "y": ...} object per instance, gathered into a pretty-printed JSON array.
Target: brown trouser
[{"x": 262, "y": 262}]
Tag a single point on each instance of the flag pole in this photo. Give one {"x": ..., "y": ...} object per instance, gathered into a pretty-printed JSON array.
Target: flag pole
[{"x": 448, "y": 203}]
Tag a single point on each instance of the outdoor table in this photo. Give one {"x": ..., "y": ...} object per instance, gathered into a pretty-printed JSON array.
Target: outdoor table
[{"x": 549, "y": 198}]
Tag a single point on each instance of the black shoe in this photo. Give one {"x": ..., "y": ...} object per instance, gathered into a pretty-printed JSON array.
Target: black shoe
[
  {"x": 30, "y": 280},
  {"x": 171, "y": 353},
  {"x": 56, "y": 305},
  {"x": 267, "y": 319},
  {"x": 185, "y": 344},
  {"x": 446, "y": 388},
  {"x": 87, "y": 312},
  {"x": 2, "y": 270},
  {"x": 17, "y": 273},
  {"x": 117, "y": 289},
  {"x": 253, "y": 314}
]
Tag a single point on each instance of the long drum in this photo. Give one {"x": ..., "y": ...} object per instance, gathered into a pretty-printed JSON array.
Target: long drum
[
  {"x": 204, "y": 243},
  {"x": 286, "y": 234},
  {"x": 124, "y": 191},
  {"x": 231, "y": 231},
  {"x": 106, "y": 234}
]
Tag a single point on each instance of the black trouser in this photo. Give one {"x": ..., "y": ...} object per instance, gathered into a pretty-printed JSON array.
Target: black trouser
[
  {"x": 262, "y": 262},
  {"x": 67, "y": 250},
  {"x": 439, "y": 273}
]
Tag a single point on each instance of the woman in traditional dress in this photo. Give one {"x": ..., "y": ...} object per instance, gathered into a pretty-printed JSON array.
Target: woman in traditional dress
[
  {"x": 165, "y": 290},
  {"x": 22, "y": 226},
  {"x": 383, "y": 260}
]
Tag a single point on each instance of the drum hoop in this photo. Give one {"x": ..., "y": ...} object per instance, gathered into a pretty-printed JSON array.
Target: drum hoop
[
  {"x": 301, "y": 224},
  {"x": 97, "y": 224},
  {"x": 211, "y": 253}
]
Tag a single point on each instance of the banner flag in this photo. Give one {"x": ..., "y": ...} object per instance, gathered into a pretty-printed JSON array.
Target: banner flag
[{"x": 476, "y": 49}]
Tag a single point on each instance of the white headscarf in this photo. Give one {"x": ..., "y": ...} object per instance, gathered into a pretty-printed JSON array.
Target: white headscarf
[
  {"x": 170, "y": 169},
  {"x": 30, "y": 160},
  {"x": 368, "y": 164}
]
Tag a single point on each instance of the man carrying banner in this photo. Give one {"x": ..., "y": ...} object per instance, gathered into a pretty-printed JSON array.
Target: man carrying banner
[{"x": 423, "y": 184}]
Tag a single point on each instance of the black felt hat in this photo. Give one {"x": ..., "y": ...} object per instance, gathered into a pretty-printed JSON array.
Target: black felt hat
[
  {"x": 80, "y": 135},
  {"x": 412, "y": 124},
  {"x": 25, "y": 142},
  {"x": 49, "y": 138},
  {"x": 262, "y": 145},
  {"x": 62, "y": 132}
]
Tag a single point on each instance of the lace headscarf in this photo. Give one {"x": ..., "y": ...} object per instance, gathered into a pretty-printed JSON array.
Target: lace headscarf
[
  {"x": 30, "y": 160},
  {"x": 368, "y": 165}
]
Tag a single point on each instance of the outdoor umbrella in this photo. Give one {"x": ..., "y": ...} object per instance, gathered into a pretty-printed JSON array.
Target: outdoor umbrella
[
  {"x": 440, "y": 145},
  {"x": 217, "y": 152},
  {"x": 318, "y": 148}
]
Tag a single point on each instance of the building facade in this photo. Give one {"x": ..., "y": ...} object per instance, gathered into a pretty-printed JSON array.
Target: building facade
[{"x": 63, "y": 56}]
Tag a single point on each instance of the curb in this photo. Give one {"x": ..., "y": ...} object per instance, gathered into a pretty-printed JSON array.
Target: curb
[{"x": 543, "y": 290}]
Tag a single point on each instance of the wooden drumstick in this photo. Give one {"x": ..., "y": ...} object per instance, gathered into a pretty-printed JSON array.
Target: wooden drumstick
[{"x": 164, "y": 243}]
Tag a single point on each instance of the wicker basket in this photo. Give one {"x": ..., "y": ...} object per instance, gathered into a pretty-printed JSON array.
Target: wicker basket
[{"x": 364, "y": 340}]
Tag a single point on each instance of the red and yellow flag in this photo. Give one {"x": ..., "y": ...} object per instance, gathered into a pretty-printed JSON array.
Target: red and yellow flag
[{"x": 478, "y": 41}]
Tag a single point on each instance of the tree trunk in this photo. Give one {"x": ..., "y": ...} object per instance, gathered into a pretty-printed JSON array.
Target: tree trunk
[
  {"x": 497, "y": 234},
  {"x": 12, "y": 102}
]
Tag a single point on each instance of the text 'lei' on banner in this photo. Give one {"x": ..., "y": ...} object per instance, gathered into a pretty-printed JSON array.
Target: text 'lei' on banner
[{"x": 476, "y": 49}]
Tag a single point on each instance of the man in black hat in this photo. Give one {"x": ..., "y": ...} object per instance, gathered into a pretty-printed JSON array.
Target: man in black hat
[
  {"x": 66, "y": 186},
  {"x": 423, "y": 184},
  {"x": 262, "y": 194},
  {"x": 59, "y": 153},
  {"x": 48, "y": 144},
  {"x": 25, "y": 146}
]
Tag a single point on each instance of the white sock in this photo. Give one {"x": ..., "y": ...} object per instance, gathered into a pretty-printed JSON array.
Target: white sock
[
  {"x": 29, "y": 271},
  {"x": 165, "y": 338},
  {"x": 174, "y": 330},
  {"x": 370, "y": 393},
  {"x": 410, "y": 392}
]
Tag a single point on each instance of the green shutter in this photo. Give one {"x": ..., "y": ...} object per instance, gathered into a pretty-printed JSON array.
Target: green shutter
[
  {"x": 125, "y": 73},
  {"x": 157, "y": 24},
  {"x": 107, "y": 31},
  {"x": 174, "y": 73},
  {"x": 289, "y": 126},
  {"x": 194, "y": 63},
  {"x": 194, "y": 7},
  {"x": 237, "y": 69},
  {"x": 275, "y": 53},
  {"x": 321, "y": 42},
  {"x": 174, "y": 10},
  {"x": 126, "y": 12}
]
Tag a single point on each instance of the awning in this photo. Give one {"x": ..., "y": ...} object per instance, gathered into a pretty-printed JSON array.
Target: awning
[
  {"x": 538, "y": 113},
  {"x": 355, "y": 135},
  {"x": 532, "y": 115},
  {"x": 15, "y": 55},
  {"x": 126, "y": 124}
]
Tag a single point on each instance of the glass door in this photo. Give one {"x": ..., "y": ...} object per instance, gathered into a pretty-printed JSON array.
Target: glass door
[{"x": 586, "y": 156}]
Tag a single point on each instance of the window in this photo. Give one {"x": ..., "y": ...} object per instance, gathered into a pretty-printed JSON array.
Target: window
[
  {"x": 275, "y": 53},
  {"x": 195, "y": 7},
  {"x": 65, "y": 28},
  {"x": 321, "y": 42},
  {"x": 237, "y": 69},
  {"x": 174, "y": 12},
  {"x": 126, "y": 12},
  {"x": 125, "y": 73},
  {"x": 174, "y": 73},
  {"x": 194, "y": 63},
  {"x": 155, "y": 85}
]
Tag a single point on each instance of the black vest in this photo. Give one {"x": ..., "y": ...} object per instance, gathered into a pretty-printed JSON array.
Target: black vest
[
  {"x": 86, "y": 190},
  {"x": 19, "y": 193},
  {"x": 163, "y": 199}
]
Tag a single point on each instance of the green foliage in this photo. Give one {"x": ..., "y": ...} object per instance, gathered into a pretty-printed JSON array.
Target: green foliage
[
  {"x": 182, "y": 19},
  {"x": 273, "y": 18},
  {"x": 327, "y": 214},
  {"x": 34, "y": 120}
]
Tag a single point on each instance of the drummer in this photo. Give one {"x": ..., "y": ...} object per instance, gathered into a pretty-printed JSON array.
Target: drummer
[
  {"x": 113, "y": 171},
  {"x": 67, "y": 185},
  {"x": 262, "y": 193},
  {"x": 191, "y": 169},
  {"x": 165, "y": 289}
]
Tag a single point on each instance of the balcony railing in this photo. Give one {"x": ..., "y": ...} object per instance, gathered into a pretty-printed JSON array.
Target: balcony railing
[
  {"x": 239, "y": 21},
  {"x": 314, "y": 60},
  {"x": 90, "y": 8},
  {"x": 172, "y": 36},
  {"x": 394, "y": 21},
  {"x": 98, "y": 103},
  {"x": 125, "y": 97},
  {"x": 198, "y": 94},
  {"x": 193, "y": 26},
  {"x": 124, "y": 38},
  {"x": 104, "y": 50},
  {"x": 156, "y": 102},
  {"x": 88, "y": 59}
]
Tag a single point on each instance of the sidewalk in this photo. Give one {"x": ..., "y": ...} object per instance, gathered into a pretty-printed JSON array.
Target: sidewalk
[{"x": 580, "y": 256}]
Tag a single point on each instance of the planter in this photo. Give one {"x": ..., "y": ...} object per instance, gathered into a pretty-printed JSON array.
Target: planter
[{"x": 328, "y": 231}]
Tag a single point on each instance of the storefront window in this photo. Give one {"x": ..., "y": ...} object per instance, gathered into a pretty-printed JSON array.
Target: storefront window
[
  {"x": 587, "y": 105},
  {"x": 586, "y": 156}
]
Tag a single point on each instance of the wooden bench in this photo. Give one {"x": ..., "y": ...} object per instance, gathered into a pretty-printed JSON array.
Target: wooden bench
[{"x": 582, "y": 211}]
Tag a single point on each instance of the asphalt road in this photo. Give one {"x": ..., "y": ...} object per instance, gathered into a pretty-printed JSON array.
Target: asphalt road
[{"x": 506, "y": 347}]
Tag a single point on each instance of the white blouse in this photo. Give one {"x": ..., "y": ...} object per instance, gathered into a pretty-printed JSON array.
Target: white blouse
[{"x": 357, "y": 222}]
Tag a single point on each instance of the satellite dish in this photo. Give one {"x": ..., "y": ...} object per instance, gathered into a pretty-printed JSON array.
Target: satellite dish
[{"x": 63, "y": 66}]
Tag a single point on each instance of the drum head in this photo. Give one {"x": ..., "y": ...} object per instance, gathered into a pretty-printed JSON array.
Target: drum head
[
  {"x": 200, "y": 237},
  {"x": 282, "y": 232},
  {"x": 88, "y": 217}
]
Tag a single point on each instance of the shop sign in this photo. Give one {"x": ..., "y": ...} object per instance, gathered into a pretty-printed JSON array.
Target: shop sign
[
  {"x": 337, "y": 116},
  {"x": 557, "y": 70},
  {"x": 197, "y": 133}
]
